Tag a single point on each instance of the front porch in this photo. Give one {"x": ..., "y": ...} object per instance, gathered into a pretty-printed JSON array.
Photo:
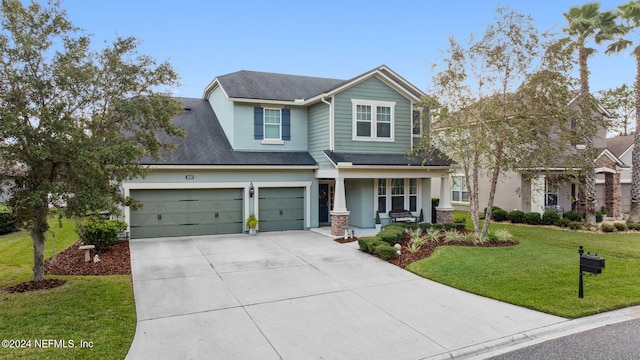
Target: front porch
[{"x": 351, "y": 199}]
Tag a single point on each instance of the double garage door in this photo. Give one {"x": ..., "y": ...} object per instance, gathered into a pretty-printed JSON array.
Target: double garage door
[{"x": 167, "y": 213}]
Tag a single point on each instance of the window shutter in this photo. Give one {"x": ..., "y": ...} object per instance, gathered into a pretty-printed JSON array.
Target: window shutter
[
  {"x": 286, "y": 124},
  {"x": 258, "y": 123}
]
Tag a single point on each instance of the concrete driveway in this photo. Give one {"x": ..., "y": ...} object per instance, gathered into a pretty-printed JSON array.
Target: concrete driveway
[{"x": 300, "y": 295}]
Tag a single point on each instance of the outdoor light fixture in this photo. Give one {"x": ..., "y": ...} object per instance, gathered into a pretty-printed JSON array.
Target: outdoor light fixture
[{"x": 251, "y": 190}]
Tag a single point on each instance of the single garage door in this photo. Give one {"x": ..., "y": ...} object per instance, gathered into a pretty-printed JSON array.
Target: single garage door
[
  {"x": 186, "y": 212},
  {"x": 281, "y": 209}
]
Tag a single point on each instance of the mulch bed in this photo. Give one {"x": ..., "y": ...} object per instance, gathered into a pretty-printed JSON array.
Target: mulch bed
[
  {"x": 405, "y": 258},
  {"x": 114, "y": 260}
]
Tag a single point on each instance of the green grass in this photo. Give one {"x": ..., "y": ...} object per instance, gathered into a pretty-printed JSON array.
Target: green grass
[
  {"x": 16, "y": 250},
  {"x": 95, "y": 309},
  {"x": 541, "y": 272}
]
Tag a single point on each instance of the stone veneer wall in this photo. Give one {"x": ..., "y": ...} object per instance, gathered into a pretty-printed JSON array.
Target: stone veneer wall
[
  {"x": 444, "y": 216},
  {"x": 339, "y": 223}
]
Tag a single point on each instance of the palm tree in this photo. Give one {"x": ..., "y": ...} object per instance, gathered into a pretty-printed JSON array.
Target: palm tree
[
  {"x": 630, "y": 15},
  {"x": 587, "y": 23}
]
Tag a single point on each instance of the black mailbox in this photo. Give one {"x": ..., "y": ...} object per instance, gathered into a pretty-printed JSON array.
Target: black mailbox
[{"x": 591, "y": 263}]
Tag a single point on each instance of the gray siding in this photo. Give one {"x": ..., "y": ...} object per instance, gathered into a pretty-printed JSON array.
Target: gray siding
[
  {"x": 318, "y": 136},
  {"x": 224, "y": 112},
  {"x": 243, "y": 130},
  {"x": 376, "y": 90}
]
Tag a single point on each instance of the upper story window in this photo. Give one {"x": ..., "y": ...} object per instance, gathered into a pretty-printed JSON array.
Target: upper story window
[
  {"x": 271, "y": 125},
  {"x": 373, "y": 120},
  {"x": 272, "y": 122}
]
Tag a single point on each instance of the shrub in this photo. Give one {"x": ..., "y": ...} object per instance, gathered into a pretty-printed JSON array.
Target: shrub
[
  {"x": 599, "y": 216},
  {"x": 550, "y": 217},
  {"x": 390, "y": 235},
  {"x": 7, "y": 222},
  {"x": 452, "y": 226},
  {"x": 471, "y": 238},
  {"x": 516, "y": 216},
  {"x": 417, "y": 240},
  {"x": 386, "y": 252},
  {"x": 575, "y": 225},
  {"x": 498, "y": 235},
  {"x": 573, "y": 215},
  {"x": 434, "y": 204},
  {"x": 96, "y": 231},
  {"x": 633, "y": 226},
  {"x": 459, "y": 220},
  {"x": 563, "y": 223},
  {"x": 451, "y": 236},
  {"x": 620, "y": 226},
  {"x": 498, "y": 214},
  {"x": 532, "y": 218},
  {"x": 433, "y": 235},
  {"x": 369, "y": 243},
  {"x": 608, "y": 228},
  {"x": 413, "y": 227}
]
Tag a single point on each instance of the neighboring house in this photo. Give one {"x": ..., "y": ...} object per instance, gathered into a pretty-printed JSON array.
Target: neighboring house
[
  {"x": 298, "y": 152},
  {"x": 532, "y": 189},
  {"x": 619, "y": 151}
]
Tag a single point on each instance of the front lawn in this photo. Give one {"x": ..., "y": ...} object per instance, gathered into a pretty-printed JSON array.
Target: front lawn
[
  {"x": 95, "y": 311},
  {"x": 541, "y": 272}
]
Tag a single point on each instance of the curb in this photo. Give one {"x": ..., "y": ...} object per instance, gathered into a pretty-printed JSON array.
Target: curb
[{"x": 539, "y": 335}]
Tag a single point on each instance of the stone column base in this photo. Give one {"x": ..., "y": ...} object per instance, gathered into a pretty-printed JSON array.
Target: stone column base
[
  {"x": 444, "y": 216},
  {"x": 339, "y": 223}
]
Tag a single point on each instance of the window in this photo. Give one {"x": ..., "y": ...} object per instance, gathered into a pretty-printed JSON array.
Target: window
[
  {"x": 413, "y": 194},
  {"x": 459, "y": 189},
  {"x": 363, "y": 120},
  {"x": 417, "y": 123},
  {"x": 400, "y": 194},
  {"x": 373, "y": 120},
  {"x": 551, "y": 191},
  {"x": 272, "y": 124},
  {"x": 397, "y": 194},
  {"x": 382, "y": 195}
]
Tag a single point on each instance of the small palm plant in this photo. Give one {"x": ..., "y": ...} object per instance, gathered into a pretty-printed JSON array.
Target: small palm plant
[
  {"x": 417, "y": 240},
  {"x": 433, "y": 235}
]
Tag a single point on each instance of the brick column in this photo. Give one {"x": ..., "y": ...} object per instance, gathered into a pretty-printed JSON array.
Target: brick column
[
  {"x": 612, "y": 194},
  {"x": 339, "y": 223}
]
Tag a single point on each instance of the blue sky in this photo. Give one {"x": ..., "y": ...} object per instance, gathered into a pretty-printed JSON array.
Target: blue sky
[{"x": 336, "y": 39}]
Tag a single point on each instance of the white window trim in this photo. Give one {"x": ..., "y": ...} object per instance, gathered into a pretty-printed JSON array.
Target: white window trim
[
  {"x": 264, "y": 127},
  {"x": 460, "y": 190},
  {"x": 374, "y": 104},
  {"x": 407, "y": 196}
]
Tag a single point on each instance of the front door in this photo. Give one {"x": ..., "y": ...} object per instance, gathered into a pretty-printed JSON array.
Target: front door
[{"x": 325, "y": 202}]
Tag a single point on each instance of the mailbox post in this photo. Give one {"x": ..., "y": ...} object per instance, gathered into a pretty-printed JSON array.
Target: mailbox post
[{"x": 590, "y": 263}]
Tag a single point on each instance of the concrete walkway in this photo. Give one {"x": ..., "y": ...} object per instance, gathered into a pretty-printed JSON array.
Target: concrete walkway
[{"x": 300, "y": 295}]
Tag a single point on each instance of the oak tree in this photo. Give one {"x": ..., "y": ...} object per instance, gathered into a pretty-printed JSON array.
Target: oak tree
[{"x": 74, "y": 121}]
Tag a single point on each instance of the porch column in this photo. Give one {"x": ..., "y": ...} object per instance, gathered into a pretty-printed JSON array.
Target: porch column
[
  {"x": 339, "y": 213},
  {"x": 537, "y": 193},
  {"x": 612, "y": 194},
  {"x": 444, "y": 211}
]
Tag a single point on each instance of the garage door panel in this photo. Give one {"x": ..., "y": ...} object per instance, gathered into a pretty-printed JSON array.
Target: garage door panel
[
  {"x": 281, "y": 209},
  {"x": 187, "y": 212}
]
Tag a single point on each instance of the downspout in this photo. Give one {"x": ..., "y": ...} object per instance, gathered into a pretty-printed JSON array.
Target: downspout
[{"x": 331, "y": 147}]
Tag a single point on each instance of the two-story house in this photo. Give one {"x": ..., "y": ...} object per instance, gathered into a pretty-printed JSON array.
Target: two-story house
[
  {"x": 537, "y": 189},
  {"x": 299, "y": 152}
]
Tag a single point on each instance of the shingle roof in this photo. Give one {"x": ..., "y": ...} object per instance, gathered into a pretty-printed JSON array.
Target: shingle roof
[
  {"x": 270, "y": 86},
  {"x": 207, "y": 144},
  {"x": 619, "y": 144},
  {"x": 432, "y": 157}
]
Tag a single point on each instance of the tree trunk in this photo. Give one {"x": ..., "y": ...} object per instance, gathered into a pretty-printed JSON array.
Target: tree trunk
[
  {"x": 585, "y": 111},
  {"x": 40, "y": 227},
  {"x": 492, "y": 191},
  {"x": 634, "y": 213}
]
